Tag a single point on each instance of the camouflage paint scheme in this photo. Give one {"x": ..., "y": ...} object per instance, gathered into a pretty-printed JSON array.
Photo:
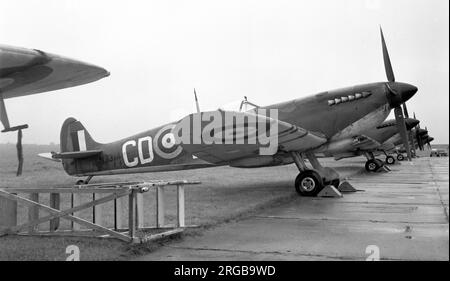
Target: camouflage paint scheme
[{"x": 315, "y": 114}]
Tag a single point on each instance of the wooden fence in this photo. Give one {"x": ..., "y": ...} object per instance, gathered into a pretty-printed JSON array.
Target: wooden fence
[{"x": 102, "y": 193}]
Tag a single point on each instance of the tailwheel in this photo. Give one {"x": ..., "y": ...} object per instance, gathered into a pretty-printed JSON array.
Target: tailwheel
[
  {"x": 400, "y": 157},
  {"x": 372, "y": 165},
  {"x": 80, "y": 182},
  {"x": 86, "y": 181},
  {"x": 390, "y": 160},
  {"x": 308, "y": 183}
]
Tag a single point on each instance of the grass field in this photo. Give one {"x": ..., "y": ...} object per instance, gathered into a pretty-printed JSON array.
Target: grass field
[{"x": 225, "y": 194}]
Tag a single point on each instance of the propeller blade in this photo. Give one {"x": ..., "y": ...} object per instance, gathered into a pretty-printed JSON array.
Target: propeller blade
[
  {"x": 405, "y": 110},
  {"x": 196, "y": 102},
  {"x": 400, "y": 120},
  {"x": 387, "y": 60},
  {"x": 419, "y": 140}
]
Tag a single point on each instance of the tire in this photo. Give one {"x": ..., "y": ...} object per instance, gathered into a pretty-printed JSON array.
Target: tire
[
  {"x": 400, "y": 157},
  {"x": 80, "y": 182},
  {"x": 308, "y": 183},
  {"x": 372, "y": 165},
  {"x": 390, "y": 160}
]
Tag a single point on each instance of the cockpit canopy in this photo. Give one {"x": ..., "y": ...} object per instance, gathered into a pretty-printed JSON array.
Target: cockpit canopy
[{"x": 240, "y": 106}]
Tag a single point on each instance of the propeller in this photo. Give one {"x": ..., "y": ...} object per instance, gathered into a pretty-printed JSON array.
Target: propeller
[
  {"x": 418, "y": 132},
  {"x": 429, "y": 139},
  {"x": 395, "y": 97},
  {"x": 429, "y": 142}
]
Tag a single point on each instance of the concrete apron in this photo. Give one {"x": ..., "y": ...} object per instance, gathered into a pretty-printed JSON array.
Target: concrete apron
[{"x": 403, "y": 214}]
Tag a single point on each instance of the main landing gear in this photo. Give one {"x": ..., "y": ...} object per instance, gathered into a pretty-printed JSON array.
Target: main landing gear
[
  {"x": 389, "y": 159},
  {"x": 400, "y": 157},
  {"x": 310, "y": 182},
  {"x": 373, "y": 164},
  {"x": 86, "y": 181}
]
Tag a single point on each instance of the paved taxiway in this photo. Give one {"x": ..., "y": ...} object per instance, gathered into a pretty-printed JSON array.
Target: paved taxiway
[{"x": 403, "y": 212}]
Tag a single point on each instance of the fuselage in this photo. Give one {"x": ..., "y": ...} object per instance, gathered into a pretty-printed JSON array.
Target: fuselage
[{"x": 336, "y": 115}]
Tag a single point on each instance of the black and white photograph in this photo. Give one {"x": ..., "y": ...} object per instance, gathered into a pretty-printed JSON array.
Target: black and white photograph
[{"x": 245, "y": 132}]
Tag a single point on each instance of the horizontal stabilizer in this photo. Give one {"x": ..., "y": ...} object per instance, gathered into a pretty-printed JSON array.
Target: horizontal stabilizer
[
  {"x": 49, "y": 156},
  {"x": 77, "y": 154},
  {"x": 70, "y": 155}
]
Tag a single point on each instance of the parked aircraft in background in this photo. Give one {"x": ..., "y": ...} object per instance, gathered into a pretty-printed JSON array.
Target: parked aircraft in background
[{"x": 372, "y": 142}]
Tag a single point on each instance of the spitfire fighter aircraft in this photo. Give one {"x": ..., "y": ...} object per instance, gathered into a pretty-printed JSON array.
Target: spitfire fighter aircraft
[
  {"x": 373, "y": 141},
  {"x": 419, "y": 142},
  {"x": 299, "y": 129}
]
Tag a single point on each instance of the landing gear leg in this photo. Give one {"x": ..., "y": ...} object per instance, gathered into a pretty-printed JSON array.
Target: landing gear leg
[
  {"x": 308, "y": 182},
  {"x": 373, "y": 164},
  {"x": 86, "y": 181},
  {"x": 389, "y": 159},
  {"x": 330, "y": 176},
  {"x": 311, "y": 182}
]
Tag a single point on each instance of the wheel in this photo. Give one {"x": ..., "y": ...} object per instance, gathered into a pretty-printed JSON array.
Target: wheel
[
  {"x": 400, "y": 157},
  {"x": 308, "y": 183},
  {"x": 80, "y": 182},
  {"x": 390, "y": 160},
  {"x": 372, "y": 165}
]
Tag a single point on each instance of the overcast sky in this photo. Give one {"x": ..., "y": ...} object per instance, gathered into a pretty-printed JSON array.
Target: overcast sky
[{"x": 270, "y": 51}]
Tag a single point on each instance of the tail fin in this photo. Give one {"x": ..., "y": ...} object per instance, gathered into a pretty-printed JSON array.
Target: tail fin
[{"x": 74, "y": 137}]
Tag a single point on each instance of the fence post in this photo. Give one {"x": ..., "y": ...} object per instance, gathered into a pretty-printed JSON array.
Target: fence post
[
  {"x": 8, "y": 212},
  {"x": 97, "y": 216},
  {"x": 160, "y": 206},
  {"x": 180, "y": 206},
  {"x": 118, "y": 223},
  {"x": 33, "y": 212},
  {"x": 132, "y": 213},
  {"x": 55, "y": 204},
  {"x": 76, "y": 201},
  {"x": 139, "y": 210}
]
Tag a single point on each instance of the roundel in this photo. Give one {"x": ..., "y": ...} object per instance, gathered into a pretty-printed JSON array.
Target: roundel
[{"x": 164, "y": 143}]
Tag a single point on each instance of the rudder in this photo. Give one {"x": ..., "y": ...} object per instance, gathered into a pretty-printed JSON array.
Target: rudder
[{"x": 75, "y": 137}]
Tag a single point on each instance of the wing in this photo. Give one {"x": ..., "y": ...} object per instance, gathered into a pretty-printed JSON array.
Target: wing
[
  {"x": 222, "y": 142},
  {"x": 26, "y": 72},
  {"x": 363, "y": 142}
]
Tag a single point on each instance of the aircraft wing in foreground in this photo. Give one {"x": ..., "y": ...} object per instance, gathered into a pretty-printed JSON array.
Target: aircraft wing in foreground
[{"x": 26, "y": 72}]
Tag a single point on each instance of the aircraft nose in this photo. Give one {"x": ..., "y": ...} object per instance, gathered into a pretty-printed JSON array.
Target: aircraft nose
[
  {"x": 411, "y": 123},
  {"x": 407, "y": 91},
  {"x": 398, "y": 93}
]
